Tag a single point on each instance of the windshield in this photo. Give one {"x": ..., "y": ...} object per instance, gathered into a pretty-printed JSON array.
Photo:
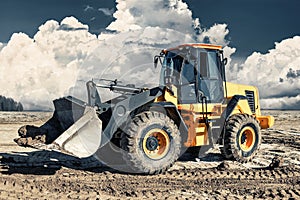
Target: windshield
[{"x": 170, "y": 70}]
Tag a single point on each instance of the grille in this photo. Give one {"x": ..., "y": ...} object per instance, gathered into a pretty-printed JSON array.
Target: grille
[{"x": 251, "y": 100}]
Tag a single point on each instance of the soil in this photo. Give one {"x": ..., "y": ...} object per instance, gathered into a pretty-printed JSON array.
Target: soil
[{"x": 27, "y": 173}]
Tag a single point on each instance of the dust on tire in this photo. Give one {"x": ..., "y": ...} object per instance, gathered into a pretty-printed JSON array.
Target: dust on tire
[
  {"x": 133, "y": 136},
  {"x": 233, "y": 130}
]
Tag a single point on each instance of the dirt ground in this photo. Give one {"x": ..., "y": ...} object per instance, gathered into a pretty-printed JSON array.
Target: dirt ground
[{"x": 26, "y": 173}]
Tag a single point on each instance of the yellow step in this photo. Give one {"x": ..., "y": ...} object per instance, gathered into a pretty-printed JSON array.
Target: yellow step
[{"x": 200, "y": 129}]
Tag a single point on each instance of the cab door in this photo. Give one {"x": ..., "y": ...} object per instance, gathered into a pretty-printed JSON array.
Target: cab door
[{"x": 210, "y": 82}]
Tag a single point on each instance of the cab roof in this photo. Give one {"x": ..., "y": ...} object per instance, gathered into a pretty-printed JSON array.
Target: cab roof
[{"x": 197, "y": 45}]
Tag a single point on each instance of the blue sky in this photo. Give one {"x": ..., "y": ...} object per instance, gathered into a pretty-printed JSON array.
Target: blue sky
[{"x": 254, "y": 24}]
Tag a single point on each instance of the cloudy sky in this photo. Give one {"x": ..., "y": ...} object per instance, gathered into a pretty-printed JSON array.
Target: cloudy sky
[
  {"x": 254, "y": 25},
  {"x": 48, "y": 46}
]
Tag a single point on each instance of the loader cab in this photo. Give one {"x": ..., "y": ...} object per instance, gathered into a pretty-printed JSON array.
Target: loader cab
[{"x": 197, "y": 71}]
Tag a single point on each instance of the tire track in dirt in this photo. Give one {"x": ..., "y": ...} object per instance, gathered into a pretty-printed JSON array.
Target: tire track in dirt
[
  {"x": 52, "y": 175},
  {"x": 216, "y": 183},
  {"x": 89, "y": 178}
]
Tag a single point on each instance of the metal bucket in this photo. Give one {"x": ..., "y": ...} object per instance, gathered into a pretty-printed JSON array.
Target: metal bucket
[{"x": 76, "y": 127}]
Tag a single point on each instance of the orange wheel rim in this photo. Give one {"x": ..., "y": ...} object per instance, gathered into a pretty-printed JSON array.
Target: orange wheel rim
[
  {"x": 247, "y": 138},
  {"x": 156, "y": 144}
]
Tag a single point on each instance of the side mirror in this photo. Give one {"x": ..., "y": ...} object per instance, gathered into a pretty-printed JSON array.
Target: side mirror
[
  {"x": 156, "y": 58},
  {"x": 225, "y": 60}
]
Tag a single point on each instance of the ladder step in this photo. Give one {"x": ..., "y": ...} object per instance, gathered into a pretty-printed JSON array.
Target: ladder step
[{"x": 200, "y": 129}]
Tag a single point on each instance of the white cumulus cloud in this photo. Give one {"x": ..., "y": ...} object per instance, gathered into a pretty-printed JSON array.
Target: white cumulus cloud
[
  {"x": 37, "y": 70},
  {"x": 63, "y": 55},
  {"x": 269, "y": 72},
  {"x": 215, "y": 34},
  {"x": 290, "y": 103},
  {"x": 135, "y": 14},
  {"x": 1, "y": 46}
]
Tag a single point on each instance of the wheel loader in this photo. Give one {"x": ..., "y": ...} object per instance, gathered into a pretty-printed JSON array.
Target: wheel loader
[{"x": 149, "y": 128}]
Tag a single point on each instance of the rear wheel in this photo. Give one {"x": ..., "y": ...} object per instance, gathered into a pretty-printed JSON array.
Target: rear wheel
[
  {"x": 242, "y": 138},
  {"x": 151, "y": 143}
]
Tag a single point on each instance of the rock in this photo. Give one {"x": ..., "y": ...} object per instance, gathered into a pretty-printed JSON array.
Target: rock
[
  {"x": 28, "y": 131},
  {"x": 223, "y": 165},
  {"x": 276, "y": 162}
]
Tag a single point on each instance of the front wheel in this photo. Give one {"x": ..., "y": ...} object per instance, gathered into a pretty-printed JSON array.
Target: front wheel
[
  {"x": 151, "y": 143},
  {"x": 242, "y": 138}
]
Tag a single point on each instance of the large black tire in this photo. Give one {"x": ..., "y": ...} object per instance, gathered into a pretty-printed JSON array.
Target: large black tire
[
  {"x": 242, "y": 138},
  {"x": 151, "y": 143}
]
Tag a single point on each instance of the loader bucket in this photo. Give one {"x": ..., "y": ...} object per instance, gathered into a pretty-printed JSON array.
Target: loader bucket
[
  {"x": 74, "y": 129},
  {"x": 81, "y": 125}
]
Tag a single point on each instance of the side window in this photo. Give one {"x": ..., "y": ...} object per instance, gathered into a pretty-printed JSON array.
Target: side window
[
  {"x": 213, "y": 65},
  {"x": 203, "y": 65},
  {"x": 209, "y": 65}
]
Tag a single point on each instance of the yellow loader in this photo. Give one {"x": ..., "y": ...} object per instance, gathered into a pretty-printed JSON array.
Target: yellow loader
[{"x": 149, "y": 128}]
